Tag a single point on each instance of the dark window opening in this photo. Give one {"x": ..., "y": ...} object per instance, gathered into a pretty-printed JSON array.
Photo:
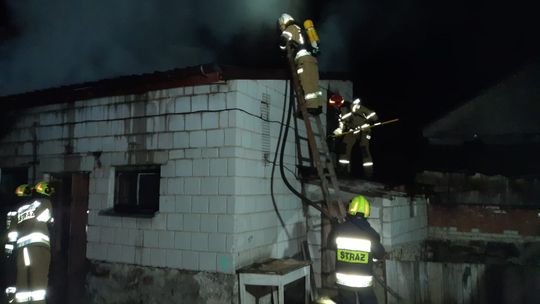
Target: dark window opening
[{"x": 136, "y": 189}]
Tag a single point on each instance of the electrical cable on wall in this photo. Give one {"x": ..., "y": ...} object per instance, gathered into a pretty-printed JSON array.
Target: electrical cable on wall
[
  {"x": 163, "y": 115},
  {"x": 274, "y": 166},
  {"x": 282, "y": 145},
  {"x": 281, "y": 167}
]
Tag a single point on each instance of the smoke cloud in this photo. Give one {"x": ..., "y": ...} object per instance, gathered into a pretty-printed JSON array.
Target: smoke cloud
[
  {"x": 352, "y": 30},
  {"x": 62, "y": 42},
  {"x": 339, "y": 22}
]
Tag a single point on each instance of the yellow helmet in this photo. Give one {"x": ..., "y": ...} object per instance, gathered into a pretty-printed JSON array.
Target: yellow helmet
[
  {"x": 23, "y": 190},
  {"x": 44, "y": 188},
  {"x": 359, "y": 204}
]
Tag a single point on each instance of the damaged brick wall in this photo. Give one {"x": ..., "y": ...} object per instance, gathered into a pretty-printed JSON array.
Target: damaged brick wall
[{"x": 483, "y": 222}]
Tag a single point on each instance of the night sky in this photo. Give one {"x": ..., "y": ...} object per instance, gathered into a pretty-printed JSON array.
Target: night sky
[{"x": 412, "y": 60}]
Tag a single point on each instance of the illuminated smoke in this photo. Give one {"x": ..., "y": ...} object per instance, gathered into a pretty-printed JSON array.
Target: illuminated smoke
[
  {"x": 65, "y": 42},
  {"x": 338, "y": 23}
]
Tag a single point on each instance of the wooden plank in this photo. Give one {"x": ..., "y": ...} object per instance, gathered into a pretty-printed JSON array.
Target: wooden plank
[
  {"x": 416, "y": 281},
  {"x": 448, "y": 284},
  {"x": 406, "y": 284},
  {"x": 457, "y": 271},
  {"x": 77, "y": 266},
  {"x": 466, "y": 280},
  {"x": 480, "y": 286},
  {"x": 474, "y": 284},
  {"x": 435, "y": 282},
  {"x": 307, "y": 257},
  {"x": 423, "y": 281},
  {"x": 274, "y": 266},
  {"x": 391, "y": 277}
]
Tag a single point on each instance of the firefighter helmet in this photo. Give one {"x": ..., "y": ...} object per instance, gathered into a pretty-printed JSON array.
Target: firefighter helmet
[
  {"x": 359, "y": 204},
  {"x": 284, "y": 20},
  {"x": 44, "y": 188},
  {"x": 336, "y": 101},
  {"x": 23, "y": 190}
]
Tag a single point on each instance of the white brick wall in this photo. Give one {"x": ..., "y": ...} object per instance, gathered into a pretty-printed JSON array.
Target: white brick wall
[
  {"x": 214, "y": 183},
  {"x": 193, "y": 121},
  {"x": 401, "y": 226}
]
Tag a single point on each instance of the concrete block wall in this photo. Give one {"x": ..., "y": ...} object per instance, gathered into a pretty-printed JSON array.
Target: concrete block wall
[
  {"x": 404, "y": 221},
  {"x": 258, "y": 232},
  {"x": 215, "y": 210},
  {"x": 215, "y": 213}
]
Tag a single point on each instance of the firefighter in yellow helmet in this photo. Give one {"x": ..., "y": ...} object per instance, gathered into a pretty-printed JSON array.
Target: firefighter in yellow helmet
[
  {"x": 357, "y": 244},
  {"x": 23, "y": 193},
  {"x": 355, "y": 121},
  {"x": 306, "y": 64},
  {"x": 32, "y": 242}
]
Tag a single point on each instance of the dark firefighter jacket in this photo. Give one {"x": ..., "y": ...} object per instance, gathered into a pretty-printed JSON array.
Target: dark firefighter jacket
[
  {"x": 355, "y": 118},
  {"x": 356, "y": 244}
]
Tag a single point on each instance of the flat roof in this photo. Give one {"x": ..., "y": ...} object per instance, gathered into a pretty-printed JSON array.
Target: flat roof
[{"x": 138, "y": 84}]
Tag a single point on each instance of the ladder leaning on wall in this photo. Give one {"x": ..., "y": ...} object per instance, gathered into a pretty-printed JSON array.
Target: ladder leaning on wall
[
  {"x": 331, "y": 207},
  {"x": 319, "y": 154}
]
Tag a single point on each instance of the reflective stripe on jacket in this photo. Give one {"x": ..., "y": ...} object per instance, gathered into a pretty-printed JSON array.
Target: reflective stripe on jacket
[
  {"x": 353, "y": 257},
  {"x": 30, "y": 296},
  {"x": 30, "y": 223},
  {"x": 356, "y": 244}
]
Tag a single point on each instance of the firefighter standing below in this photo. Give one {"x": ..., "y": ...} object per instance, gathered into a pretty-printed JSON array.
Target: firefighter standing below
[
  {"x": 306, "y": 64},
  {"x": 357, "y": 244},
  {"x": 23, "y": 193},
  {"x": 33, "y": 245},
  {"x": 355, "y": 121}
]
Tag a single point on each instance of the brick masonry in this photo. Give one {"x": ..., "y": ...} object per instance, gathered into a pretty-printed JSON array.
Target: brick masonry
[
  {"x": 483, "y": 222},
  {"x": 215, "y": 212}
]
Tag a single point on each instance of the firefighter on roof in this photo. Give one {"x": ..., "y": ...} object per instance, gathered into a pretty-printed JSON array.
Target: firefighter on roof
[
  {"x": 306, "y": 64},
  {"x": 357, "y": 246},
  {"x": 31, "y": 236},
  {"x": 355, "y": 123}
]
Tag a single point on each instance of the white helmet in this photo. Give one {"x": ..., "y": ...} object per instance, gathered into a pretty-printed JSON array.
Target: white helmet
[{"x": 284, "y": 20}]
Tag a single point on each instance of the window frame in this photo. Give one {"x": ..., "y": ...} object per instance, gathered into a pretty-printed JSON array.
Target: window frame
[{"x": 131, "y": 204}]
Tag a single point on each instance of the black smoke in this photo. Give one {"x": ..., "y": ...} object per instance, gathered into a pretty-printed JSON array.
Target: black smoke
[{"x": 64, "y": 42}]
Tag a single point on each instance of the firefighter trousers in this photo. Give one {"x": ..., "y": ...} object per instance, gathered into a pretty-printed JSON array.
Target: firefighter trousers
[
  {"x": 364, "y": 295},
  {"x": 32, "y": 274},
  {"x": 349, "y": 140},
  {"x": 308, "y": 74}
]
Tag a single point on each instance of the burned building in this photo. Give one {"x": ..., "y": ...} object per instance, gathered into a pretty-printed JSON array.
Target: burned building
[
  {"x": 164, "y": 183},
  {"x": 164, "y": 191}
]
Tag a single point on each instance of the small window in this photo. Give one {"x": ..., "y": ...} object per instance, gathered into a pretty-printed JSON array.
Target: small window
[{"x": 136, "y": 189}]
